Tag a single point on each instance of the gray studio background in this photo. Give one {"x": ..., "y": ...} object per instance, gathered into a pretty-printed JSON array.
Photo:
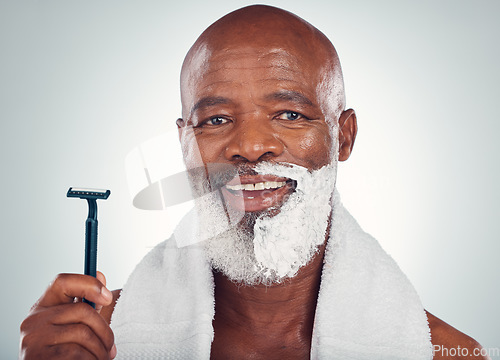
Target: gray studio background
[{"x": 84, "y": 82}]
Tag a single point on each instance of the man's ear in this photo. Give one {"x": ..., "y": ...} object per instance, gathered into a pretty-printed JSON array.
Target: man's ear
[
  {"x": 180, "y": 126},
  {"x": 348, "y": 128}
]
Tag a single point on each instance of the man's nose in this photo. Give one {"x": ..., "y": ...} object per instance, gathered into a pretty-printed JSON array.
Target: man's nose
[{"x": 253, "y": 141}]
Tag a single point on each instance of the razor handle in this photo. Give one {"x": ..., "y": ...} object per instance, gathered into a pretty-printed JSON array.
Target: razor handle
[
  {"x": 90, "y": 251},
  {"x": 91, "y": 195}
]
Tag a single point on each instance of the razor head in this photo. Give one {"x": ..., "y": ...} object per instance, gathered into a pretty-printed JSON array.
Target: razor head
[{"x": 82, "y": 193}]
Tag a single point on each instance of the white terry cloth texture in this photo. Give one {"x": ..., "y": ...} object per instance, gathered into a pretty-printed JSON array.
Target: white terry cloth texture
[{"x": 367, "y": 308}]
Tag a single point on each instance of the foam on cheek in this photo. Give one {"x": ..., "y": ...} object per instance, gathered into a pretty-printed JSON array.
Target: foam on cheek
[
  {"x": 287, "y": 241},
  {"x": 190, "y": 150}
]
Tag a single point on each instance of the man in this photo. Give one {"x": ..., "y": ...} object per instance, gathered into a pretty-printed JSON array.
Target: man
[{"x": 262, "y": 91}]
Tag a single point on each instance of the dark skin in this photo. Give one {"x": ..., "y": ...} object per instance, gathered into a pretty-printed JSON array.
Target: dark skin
[
  {"x": 60, "y": 326},
  {"x": 253, "y": 88},
  {"x": 254, "y": 323}
]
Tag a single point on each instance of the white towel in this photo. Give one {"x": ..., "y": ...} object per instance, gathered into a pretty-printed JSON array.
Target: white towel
[{"x": 367, "y": 308}]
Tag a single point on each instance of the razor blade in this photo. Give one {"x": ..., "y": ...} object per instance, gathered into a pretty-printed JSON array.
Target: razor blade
[{"x": 82, "y": 193}]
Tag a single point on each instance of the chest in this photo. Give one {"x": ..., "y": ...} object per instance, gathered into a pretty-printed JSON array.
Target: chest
[{"x": 259, "y": 344}]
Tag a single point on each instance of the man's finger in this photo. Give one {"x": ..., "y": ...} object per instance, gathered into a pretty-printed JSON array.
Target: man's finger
[
  {"x": 82, "y": 335},
  {"x": 66, "y": 287},
  {"x": 84, "y": 314},
  {"x": 70, "y": 351},
  {"x": 100, "y": 276}
]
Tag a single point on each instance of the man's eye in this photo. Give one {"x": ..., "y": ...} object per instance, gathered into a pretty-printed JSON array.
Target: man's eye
[
  {"x": 216, "y": 120},
  {"x": 291, "y": 115}
]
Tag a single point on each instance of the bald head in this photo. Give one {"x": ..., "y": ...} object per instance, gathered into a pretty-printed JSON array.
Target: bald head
[
  {"x": 261, "y": 25},
  {"x": 266, "y": 31}
]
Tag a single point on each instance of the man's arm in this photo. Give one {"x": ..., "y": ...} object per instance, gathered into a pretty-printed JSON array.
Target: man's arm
[{"x": 449, "y": 343}]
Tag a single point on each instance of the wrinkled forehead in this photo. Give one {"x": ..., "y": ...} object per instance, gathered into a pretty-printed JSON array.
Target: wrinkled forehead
[
  {"x": 208, "y": 64},
  {"x": 273, "y": 64}
]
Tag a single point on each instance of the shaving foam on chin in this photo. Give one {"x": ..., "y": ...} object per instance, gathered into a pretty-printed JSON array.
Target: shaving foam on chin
[{"x": 287, "y": 241}]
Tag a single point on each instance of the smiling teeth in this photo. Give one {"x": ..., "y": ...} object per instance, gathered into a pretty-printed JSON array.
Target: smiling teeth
[{"x": 258, "y": 186}]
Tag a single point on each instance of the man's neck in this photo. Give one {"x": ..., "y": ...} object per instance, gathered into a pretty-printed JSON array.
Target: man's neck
[{"x": 268, "y": 316}]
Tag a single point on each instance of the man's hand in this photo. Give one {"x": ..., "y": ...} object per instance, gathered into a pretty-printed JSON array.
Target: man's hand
[{"x": 60, "y": 326}]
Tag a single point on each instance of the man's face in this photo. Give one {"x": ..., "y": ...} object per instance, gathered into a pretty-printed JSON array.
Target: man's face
[{"x": 252, "y": 104}]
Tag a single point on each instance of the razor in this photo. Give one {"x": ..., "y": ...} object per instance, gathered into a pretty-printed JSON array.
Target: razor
[{"x": 91, "y": 195}]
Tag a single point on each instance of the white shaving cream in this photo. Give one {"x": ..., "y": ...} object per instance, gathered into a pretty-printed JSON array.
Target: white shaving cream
[
  {"x": 287, "y": 241},
  {"x": 280, "y": 244}
]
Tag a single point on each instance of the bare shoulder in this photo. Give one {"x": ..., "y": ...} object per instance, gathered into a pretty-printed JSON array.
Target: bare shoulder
[
  {"x": 449, "y": 343},
  {"x": 107, "y": 311}
]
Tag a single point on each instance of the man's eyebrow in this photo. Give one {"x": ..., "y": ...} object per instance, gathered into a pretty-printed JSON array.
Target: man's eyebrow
[
  {"x": 289, "y": 95},
  {"x": 208, "y": 101}
]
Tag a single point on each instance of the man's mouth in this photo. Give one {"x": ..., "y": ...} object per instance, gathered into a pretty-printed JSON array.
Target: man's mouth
[
  {"x": 257, "y": 192},
  {"x": 258, "y": 186}
]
